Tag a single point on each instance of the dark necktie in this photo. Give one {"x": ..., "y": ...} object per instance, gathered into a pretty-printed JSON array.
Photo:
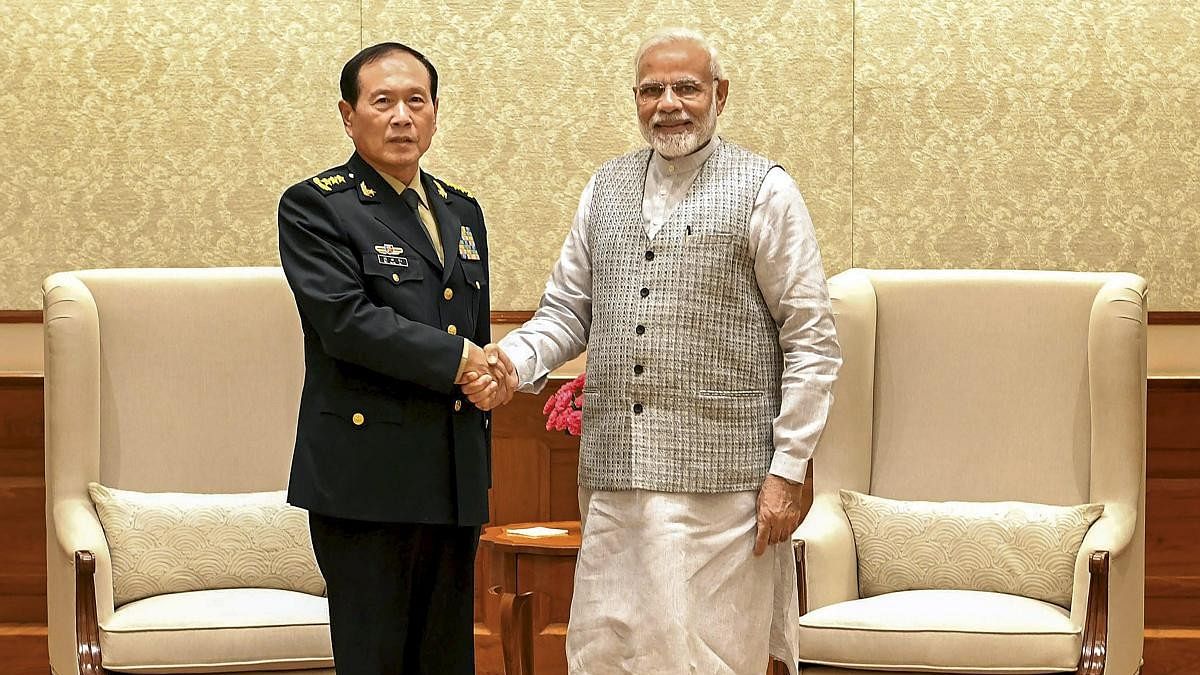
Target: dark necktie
[{"x": 413, "y": 200}]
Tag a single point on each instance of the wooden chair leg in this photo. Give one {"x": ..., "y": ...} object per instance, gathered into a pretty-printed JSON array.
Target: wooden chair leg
[
  {"x": 801, "y": 576},
  {"x": 87, "y": 626},
  {"x": 516, "y": 631},
  {"x": 1095, "y": 622}
]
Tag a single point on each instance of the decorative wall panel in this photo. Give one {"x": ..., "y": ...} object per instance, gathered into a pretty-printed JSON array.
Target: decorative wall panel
[
  {"x": 936, "y": 133},
  {"x": 534, "y": 97},
  {"x": 1031, "y": 134},
  {"x": 159, "y": 134}
]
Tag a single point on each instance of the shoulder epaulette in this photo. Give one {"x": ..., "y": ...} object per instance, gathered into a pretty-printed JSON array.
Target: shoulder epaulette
[
  {"x": 453, "y": 188},
  {"x": 334, "y": 180}
]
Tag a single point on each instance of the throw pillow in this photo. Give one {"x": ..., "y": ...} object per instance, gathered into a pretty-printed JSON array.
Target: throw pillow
[
  {"x": 169, "y": 542},
  {"x": 1005, "y": 547}
]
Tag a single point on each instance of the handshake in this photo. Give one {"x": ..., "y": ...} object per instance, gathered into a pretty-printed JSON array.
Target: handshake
[{"x": 489, "y": 378}]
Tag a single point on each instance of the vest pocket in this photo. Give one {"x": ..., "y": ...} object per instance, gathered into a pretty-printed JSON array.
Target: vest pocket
[{"x": 730, "y": 393}]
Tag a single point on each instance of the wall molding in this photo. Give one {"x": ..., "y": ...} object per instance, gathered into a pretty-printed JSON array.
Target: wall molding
[
  {"x": 20, "y": 316},
  {"x": 522, "y": 315},
  {"x": 514, "y": 316},
  {"x": 1174, "y": 318}
]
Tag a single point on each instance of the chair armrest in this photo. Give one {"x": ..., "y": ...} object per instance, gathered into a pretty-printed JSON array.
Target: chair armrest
[
  {"x": 87, "y": 628},
  {"x": 829, "y": 563},
  {"x": 1110, "y": 534},
  {"x": 1095, "y": 629},
  {"x": 1118, "y": 592},
  {"x": 77, "y": 528}
]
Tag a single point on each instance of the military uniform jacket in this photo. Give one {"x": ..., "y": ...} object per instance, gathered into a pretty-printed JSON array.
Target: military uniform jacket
[{"x": 383, "y": 432}]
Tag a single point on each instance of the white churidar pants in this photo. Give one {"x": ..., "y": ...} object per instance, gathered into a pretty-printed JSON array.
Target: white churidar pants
[{"x": 668, "y": 583}]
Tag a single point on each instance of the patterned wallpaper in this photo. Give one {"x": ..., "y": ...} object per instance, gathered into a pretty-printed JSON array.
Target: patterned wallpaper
[
  {"x": 935, "y": 133},
  {"x": 1031, "y": 133}
]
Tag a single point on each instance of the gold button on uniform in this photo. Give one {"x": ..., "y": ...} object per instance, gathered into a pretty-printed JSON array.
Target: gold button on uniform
[
  {"x": 447, "y": 294},
  {"x": 358, "y": 419},
  {"x": 396, "y": 278},
  {"x": 457, "y": 406},
  {"x": 452, "y": 329}
]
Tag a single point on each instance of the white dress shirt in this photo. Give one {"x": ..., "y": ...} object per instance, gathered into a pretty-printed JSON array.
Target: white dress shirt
[{"x": 787, "y": 266}]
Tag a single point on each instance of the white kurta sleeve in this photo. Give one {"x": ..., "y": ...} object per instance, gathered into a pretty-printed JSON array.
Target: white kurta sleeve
[
  {"x": 558, "y": 331},
  {"x": 787, "y": 265}
]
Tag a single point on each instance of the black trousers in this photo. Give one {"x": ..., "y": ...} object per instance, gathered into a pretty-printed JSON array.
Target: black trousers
[{"x": 401, "y": 595}]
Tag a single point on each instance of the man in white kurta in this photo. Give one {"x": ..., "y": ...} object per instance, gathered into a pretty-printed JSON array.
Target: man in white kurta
[{"x": 692, "y": 276}]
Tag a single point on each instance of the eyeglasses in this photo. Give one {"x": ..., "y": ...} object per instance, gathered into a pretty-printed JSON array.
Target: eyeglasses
[{"x": 686, "y": 90}]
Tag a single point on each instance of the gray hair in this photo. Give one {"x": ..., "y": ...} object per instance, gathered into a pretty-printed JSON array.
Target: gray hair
[{"x": 671, "y": 35}]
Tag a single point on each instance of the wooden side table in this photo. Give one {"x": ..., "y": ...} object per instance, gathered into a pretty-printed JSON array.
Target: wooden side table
[{"x": 534, "y": 577}]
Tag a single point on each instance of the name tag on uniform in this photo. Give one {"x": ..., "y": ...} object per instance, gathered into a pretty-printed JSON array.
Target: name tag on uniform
[{"x": 395, "y": 260}]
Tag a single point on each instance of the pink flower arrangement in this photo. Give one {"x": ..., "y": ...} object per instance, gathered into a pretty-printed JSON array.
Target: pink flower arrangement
[{"x": 564, "y": 410}]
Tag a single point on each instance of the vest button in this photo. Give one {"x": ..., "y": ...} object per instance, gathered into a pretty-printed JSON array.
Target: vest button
[
  {"x": 649, "y": 255},
  {"x": 645, "y": 292},
  {"x": 640, "y": 329},
  {"x": 358, "y": 419},
  {"x": 638, "y": 369},
  {"x": 448, "y": 294},
  {"x": 637, "y": 408}
]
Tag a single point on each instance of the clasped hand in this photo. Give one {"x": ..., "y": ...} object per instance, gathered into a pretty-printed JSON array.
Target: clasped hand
[{"x": 489, "y": 378}]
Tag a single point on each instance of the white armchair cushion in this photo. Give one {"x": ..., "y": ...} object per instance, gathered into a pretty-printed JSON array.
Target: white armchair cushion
[
  {"x": 169, "y": 542},
  {"x": 231, "y": 630},
  {"x": 942, "y": 631},
  {"x": 1003, "y": 547}
]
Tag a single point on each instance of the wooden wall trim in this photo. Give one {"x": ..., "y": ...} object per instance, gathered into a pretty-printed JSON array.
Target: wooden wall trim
[
  {"x": 1174, "y": 318},
  {"x": 20, "y": 316},
  {"x": 23, "y": 379},
  {"x": 515, "y": 316},
  {"x": 519, "y": 316},
  {"x": 500, "y": 316},
  {"x": 1173, "y": 384}
]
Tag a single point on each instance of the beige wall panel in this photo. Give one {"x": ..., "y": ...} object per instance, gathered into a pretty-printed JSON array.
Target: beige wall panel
[
  {"x": 1031, "y": 134},
  {"x": 159, "y": 134},
  {"x": 21, "y": 348},
  {"x": 1173, "y": 351},
  {"x": 534, "y": 96}
]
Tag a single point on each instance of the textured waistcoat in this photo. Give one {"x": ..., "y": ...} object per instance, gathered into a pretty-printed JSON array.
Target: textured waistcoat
[{"x": 684, "y": 364}]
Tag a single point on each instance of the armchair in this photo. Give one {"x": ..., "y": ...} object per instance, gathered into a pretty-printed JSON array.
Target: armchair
[
  {"x": 982, "y": 386},
  {"x": 169, "y": 381}
]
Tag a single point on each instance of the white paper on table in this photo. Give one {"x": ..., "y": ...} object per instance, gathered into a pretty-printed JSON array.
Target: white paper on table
[{"x": 538, "y": 531}]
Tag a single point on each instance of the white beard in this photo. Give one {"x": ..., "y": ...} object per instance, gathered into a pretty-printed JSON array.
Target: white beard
[{"x": 676, "y": 145}]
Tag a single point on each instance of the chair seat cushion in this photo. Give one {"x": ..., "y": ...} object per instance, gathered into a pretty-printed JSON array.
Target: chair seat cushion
[
  {"x": 942, "y": 631},
  {"x": 217, "y": 631}
]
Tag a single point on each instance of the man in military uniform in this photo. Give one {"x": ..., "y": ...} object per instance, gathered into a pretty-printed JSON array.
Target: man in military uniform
[{"x": 389, "y": 268}]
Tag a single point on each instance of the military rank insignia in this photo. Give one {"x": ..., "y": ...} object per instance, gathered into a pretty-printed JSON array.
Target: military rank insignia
[
  {"x": 466, "y": 245},
  {"x": 327, "y": 183}
]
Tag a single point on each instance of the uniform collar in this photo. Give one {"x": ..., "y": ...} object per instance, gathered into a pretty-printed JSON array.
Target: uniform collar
[
  {"x": 400, "y": 186},
  {"x": 687, "y": 163}
]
